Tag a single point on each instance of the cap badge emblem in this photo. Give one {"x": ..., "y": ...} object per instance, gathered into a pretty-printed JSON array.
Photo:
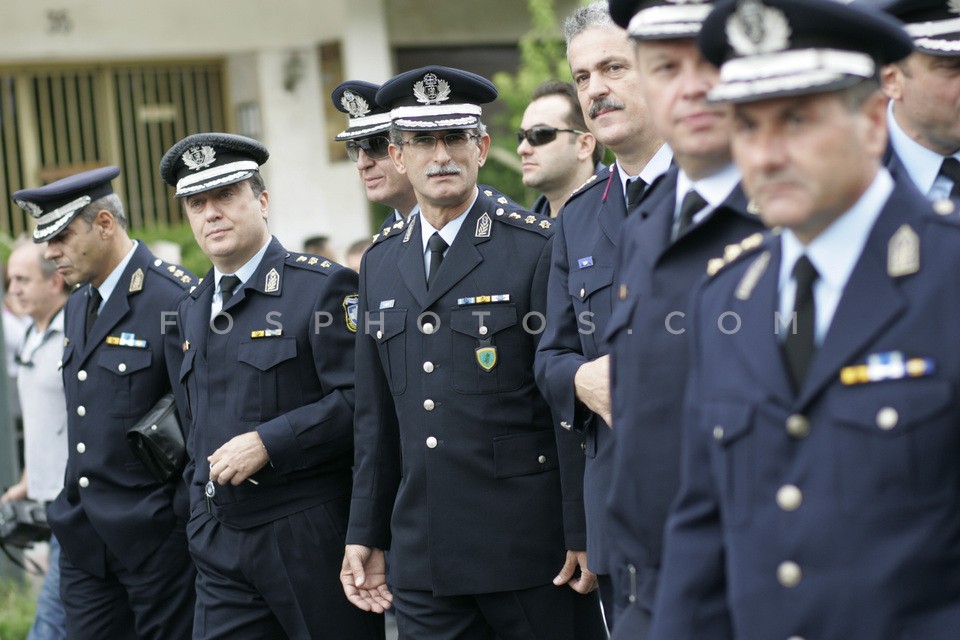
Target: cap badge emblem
[
  {"x": 197, "y": 158},
  {"x": 431, "y": 90},
  {"x": 754, "y": 29},
  {"x": 355, "y": 105}
]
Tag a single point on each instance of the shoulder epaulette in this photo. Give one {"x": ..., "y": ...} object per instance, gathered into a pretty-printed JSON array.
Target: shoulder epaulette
[
  {"x": 309, "y": 261},
  {"x": 591, "y": 182},
  {"x": 171, "y": 271},
  {"x": 389, "y": 231},
  {"x": 525, "y": 220},
  {"x": 732, "y": 253}
]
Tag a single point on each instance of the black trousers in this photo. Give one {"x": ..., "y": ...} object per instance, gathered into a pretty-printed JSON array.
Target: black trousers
[
  {"x": 278, "y": 580},
  {"x": 153, "y": 602},
  {"x": 540, "y": 613}
]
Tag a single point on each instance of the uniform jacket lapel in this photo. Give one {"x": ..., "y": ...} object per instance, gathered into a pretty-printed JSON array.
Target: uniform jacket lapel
[
  {"x": 871, "y": 300},
  {"x": 411, "y": 265},
  {"x": 464, "y": 254},
  {"x": 613, "y": 208},
  {"x": 197, "y": 322},
  {"x": 119, "y": 304}
]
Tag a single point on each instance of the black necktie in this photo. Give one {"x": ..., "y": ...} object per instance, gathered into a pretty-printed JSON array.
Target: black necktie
[
  {"x": 799, "y": 344},
  {"x": 93, "y": 308},
  {"x": 692, "y": 204},
  {"x": 437, "y": 246},
  {"x": 951, "y": 169},
  {"x": 635, "y": 190},
  {"x": 227, "y": 285}
]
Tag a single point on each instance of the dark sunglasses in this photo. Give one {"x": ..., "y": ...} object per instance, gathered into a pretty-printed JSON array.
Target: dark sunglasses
[
  {"x": 537, "y": 136},
  {"x": 375, "y": 148}
]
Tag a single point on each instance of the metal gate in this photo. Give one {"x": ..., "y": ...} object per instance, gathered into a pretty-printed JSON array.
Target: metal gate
[{"x": 60, "y": 120}]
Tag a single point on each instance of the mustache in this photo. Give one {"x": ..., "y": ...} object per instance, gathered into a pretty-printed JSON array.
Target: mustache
[
  {"x": 439, "y": 169},
  {"x": 605, "y": 104}
]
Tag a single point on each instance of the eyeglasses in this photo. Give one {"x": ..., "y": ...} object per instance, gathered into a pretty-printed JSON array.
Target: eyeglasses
[
  {"x": 537, "y": 136},
  {"x": 453, "y": 141},
  {"x": 375, "y": 148}
]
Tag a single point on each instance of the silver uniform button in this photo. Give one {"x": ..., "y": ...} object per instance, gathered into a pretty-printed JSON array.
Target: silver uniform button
[
  {"x": 81, "y": 375},
  {"x": 432, "y": 442},
  {"x": 583, "y": 293},
  {"x": 121, "y": 367},
  {"x": 887, "y": 418},
  {"x": 484, "y": 331},
  {"x": 428, "y": 366},
  {"x": 542, "y": 459},
  {"x": 789, "y": 497},
  {"x": 794, "y": 638},
  {"x": 789, "y": 574},
  {"x": 379, "y": 335},
  {"x": 428, "y": 404},
  {"x": 84, "y": 483},
  {"x": 566, "y": 425},
  {"x": 157, "y": 262},
  {"x": 210, "y": 490},
  {"x": 718, "y": 433},
  {"x": 798, "y": 426},
  {"x": 427, "y": 328},
  {"x": 81, "y": 411},
  {"x": 81, "y": 447}
]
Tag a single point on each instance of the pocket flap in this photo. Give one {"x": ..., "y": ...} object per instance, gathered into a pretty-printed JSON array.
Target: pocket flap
[
  {"x": 524, "y": 454},
  {"x": 123, "y": 361},
  {"x": 391, "y": 323},
  {"x": 266, "y": 353},
  {"x": 890, "y": 407},
  {"x": 483, "y": 321},
  {"x": 727, "y": 422},
  {"x": 585, "y": 282}
]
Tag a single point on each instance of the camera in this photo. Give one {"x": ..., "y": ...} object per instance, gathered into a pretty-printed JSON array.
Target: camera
[{"x": 23, "y": 522}]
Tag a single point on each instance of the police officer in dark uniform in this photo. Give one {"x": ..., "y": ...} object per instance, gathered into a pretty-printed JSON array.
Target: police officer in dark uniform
[
  {"x": 457, "y": 459},
  {"x": 125, "y": 569},
  {"x": 820, "y": 495},
  {"x": 267, "y": 377},
  {"x": 923, "y": 116},
  {"x": 691, "y": 215},
  {"x": 367, "y": 138}
]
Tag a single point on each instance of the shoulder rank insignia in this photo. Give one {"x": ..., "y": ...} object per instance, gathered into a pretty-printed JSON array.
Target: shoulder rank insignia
[
  {"x": 903, "y": 252},
  {"x": 172, "y": 268},
  {"x": 483, "y": 226},
  {"x": 487, "y": 357},
  {"x": 530, "y": 219},
  {"x": 502, "y": 200},
  {"x": 185, "y": 279},
  {"x": 350, "y": 305},
  {"x": 386, "y": 231},
  {"x": 398, "y": 224},
  {"x": 136, "y": 281},
  {"x": 515, "y": 216},
  {"x": 376, "y": 237},
  {"x": 753, "y": 207},
  {"x": 301, "y": 258},
  {"x": 544, "y": 224},
  {"x": 487, "y": 192},
  {"x": 326, "y": 264},
  {"x": 589, "y": 180},
  {"x": 752, "y": 276},
  {"x": 313, "y": 261},
  {"x": 271, "y": 282}
]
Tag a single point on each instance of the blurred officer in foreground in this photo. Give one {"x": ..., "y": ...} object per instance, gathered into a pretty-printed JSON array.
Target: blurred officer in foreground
[
  {"x": 924, "y": 90},
  {"x": 41, "y": 293},
  {"x": 693, "y": 213},
  {"x": 557, "y": 152},
  {"x": 573, "y": 362},
  {"x": 822, "y": 372},
  {"x": 456, "y": 470},
  {"x": 268, "y": 384},
  {"x": 125, "y": 568},
  {"x": 367, "y": 139}
]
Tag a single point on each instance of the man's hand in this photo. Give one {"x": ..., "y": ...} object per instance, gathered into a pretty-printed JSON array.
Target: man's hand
[
  {"x": 592, "y": 385},
  {"x": 585, "y": 582},
  {"x": 16, "y": 492},
  {"x": 238, "y": 459},
  {"x": 364, "y": 578}
]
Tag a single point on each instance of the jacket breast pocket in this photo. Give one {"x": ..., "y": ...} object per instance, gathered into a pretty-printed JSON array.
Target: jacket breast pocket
[
  {"x": 895, "y": 444},
  {"x": 388, "y": 329},
  {"x": 128, "y": 370},
  {"x": 486, "y": 348},
  {"x": 267, "y": 374},
  {"x": 590, "y": 291},
  {"x": 729, "y": 428}
]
